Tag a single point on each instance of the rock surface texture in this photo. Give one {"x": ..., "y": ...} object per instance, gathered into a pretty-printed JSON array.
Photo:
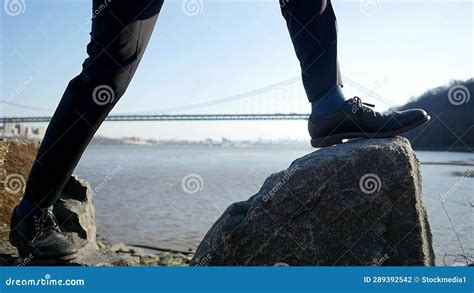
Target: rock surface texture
[
  {"x": 74, "y": 211},
  {"x": 359, "y": 204}
]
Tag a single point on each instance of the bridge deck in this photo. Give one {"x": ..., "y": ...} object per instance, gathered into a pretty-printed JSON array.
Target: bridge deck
[{"x": 183, "y": 117}]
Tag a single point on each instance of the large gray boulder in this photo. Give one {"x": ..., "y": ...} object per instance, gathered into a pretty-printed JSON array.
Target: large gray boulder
[{"x": 359, "y": 204}]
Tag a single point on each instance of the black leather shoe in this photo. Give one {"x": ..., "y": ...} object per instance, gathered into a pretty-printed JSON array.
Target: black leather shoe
[
  {"x": 356, "y": 120},
  {"x": 39, "y": 238}
]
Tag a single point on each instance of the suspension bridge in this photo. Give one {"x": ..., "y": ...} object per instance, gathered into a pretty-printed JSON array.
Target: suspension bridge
[
  {"x": 185, "y": 117},
  {"x": 281, "y": 101}
]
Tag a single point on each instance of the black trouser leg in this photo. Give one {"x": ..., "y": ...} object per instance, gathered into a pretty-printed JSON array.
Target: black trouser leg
[
  {"x": 120, "y": 33},
  {"x": 313, "y": 30}
]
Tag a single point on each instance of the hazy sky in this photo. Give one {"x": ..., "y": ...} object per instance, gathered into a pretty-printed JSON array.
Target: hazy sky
[{"x": 397, "y": 49}]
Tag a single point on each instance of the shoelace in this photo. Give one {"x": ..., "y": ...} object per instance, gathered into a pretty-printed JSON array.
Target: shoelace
[
  {"x": 359, "y": 105},
  {"x": 46, "y": 221}
]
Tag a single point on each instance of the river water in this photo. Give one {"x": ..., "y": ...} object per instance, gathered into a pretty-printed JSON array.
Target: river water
[{"x": 140, "y": 197}]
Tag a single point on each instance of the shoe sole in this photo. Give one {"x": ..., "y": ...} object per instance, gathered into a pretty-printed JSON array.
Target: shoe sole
[
  {"x": 337, "y": 139},
  {"x": 26, "y": 260}
]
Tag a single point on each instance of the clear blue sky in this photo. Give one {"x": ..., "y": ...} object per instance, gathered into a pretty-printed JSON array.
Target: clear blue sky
[{"x": 400, "y": 50}]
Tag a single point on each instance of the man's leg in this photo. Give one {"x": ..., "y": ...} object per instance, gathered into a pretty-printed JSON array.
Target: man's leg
[
  {"x": 313, "y": 30},
  {"x": 120, "y": 33}
]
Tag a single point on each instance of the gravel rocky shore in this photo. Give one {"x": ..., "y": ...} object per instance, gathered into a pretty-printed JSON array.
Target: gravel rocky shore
[{"x": 148, "y": 257}]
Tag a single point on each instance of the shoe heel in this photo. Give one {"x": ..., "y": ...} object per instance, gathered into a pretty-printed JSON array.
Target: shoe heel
[
  {"x": 325, "y": 141},
  {"x": 14, "y": 243},
  {"x": 12, "y": 240}
]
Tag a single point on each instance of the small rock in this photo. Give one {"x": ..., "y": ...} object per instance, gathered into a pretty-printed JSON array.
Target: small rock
[
  {"x": 136, "y": 251},
  {"x": 120, "y": 247}
]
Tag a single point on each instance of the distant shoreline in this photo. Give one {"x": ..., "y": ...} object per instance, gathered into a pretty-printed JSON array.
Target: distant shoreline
[
  {"x": 224, "y": 142},
  {"x": 237, "y": 143}
]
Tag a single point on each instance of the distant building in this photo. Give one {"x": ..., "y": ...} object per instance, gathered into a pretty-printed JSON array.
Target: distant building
[
  {"x": 23, "y": 131},
  {"x": 134, "y": 140},
  {"x": 40, "y": 131},
  {"x": 10, "y": 129}
]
